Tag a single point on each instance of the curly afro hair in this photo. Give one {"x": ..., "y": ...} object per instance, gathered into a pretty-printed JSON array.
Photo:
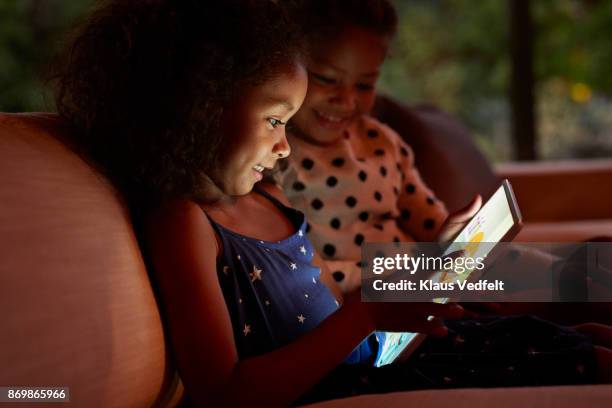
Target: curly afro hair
[
  {"x": 145, "y": 83},
  {"x": 325, "y": 18}
]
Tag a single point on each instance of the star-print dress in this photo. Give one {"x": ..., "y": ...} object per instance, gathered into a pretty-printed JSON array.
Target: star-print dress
[
  {"x": 362, "y": 188},
  {"x": 273, "y": 292}
]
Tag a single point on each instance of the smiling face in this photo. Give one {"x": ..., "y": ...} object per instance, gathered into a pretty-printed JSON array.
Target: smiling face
[
  {"x": 254, "y": 129},
  {"x": 342, "y": 83}
]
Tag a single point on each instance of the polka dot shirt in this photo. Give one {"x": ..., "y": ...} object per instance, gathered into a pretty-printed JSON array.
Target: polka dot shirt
[{"x": 362, "y": 188}]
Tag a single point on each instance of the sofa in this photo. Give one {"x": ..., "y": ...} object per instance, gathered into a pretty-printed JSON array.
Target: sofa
[{"x": 78, "y": 307}]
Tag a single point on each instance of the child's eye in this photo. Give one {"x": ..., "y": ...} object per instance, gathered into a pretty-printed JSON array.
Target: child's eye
[
  {"x": 323, "y": 79},
  {"x": 275, "y": 122}
]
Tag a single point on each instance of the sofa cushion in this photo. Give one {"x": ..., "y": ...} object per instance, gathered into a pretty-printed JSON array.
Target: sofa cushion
[
  {"x": 77, "y": 305},
  {"x": 447, "y": 158},
  {"x": 594, "y": 396}
]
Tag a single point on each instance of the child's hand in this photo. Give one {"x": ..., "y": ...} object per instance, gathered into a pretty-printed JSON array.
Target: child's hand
[{"x": 456, "y": 221}]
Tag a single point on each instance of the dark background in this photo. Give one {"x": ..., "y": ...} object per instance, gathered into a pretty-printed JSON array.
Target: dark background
[{"x": 530, "y": 78}]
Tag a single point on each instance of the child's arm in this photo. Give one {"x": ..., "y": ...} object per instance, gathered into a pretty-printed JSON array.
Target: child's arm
[
  {"x": 183, "y": 251},
  {"x": 421, "y": 213}
]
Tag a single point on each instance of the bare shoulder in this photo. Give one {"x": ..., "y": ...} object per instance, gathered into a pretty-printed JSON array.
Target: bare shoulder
[
  {"x": 180, "y": 223},
  {"x": 275, "y": 191}
]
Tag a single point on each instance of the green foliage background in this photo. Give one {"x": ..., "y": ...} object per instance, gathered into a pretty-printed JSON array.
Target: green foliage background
[{"x": 450, "y": 53}]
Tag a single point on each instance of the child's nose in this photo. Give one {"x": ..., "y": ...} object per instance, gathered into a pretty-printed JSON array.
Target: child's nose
[{"x": 282, "y": 148}]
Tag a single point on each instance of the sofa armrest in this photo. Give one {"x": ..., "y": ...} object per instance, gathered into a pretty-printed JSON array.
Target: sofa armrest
[
  {"x": 525, "y": 397},
  {"x": 561, "y": 190}
]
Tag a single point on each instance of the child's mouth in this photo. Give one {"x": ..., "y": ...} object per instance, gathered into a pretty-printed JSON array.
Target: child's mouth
[
  {"x": 332, "y": 121},
  {"x": 258, "y": 170}
]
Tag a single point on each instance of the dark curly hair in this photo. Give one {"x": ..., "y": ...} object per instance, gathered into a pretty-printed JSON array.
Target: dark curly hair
[
  {"x": 145, "y": 83},
  {"x": 323, "y": 18}
]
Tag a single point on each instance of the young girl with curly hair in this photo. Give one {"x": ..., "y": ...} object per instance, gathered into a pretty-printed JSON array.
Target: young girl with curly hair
[{"x": 183, "y": 104}]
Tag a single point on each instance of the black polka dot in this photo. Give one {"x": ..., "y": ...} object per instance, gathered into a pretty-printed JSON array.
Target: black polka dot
[
  {"x": 410, "y": 188},
  {"x": 395, "y": 191},
  {"x": 396, "y": 239},
  {"x": 307, "y": 164},
  {"x": 335, "y": 223},
  {"x": 363, "y": 216},
  {"x": 378, "y": 227},
  {"x": 317, "y": 204},
  {"x": 359, "y": 239},
  {"x": 405, "y": 214},
  {"x": 429, "y": 224},
  {"x": 338, "y": 276},
  {"x": 398, "y": 166},
  {"x": 338, "y": 162},
  {"x": 350, "y": 201},
  {"x": 372, "y": 133},
  {"x": 377, "y": 196},
  {"x": 383, "y": 171},
  {"x": 298, "y": 186},
  {"x": 307, "y": 227},
  {"x": 331, "y": 181},
  {"x": 430, "y": 200},
  {"x": 387, "y": 216},
  {"x": 404, "y": 151},
  {"x": 329, "y": 249},
  {"x": 362, "y": 175},
  {"x": 379, "y": 152},
  {"x": 359, "y": 264}
]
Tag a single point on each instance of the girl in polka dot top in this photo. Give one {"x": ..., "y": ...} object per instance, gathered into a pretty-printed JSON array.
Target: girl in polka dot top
[{"x": 353, "y": 176}]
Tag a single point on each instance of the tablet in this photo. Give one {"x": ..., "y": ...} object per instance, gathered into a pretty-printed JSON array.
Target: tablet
[{"x": 498, "y": 220}]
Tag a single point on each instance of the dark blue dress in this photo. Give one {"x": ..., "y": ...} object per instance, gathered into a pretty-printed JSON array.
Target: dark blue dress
[{"x": 273, "y": 292}]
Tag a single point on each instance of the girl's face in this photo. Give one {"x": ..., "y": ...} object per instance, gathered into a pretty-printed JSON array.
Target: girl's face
[
  {"x": 342, "y": 82},
  {"x": 254, "y": 129}
]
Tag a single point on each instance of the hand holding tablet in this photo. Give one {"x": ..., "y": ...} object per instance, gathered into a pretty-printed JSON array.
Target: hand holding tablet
[{"x": 498, "y": 220}]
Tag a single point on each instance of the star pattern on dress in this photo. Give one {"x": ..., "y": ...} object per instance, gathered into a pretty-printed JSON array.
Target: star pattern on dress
[
  {"x": 226, "y": 269},
  {"x": 300, "y": 233},
  {"x": 301, "y": 318},
  {"x": 256, "y": 274},
  {"x": 238, "y": 257},
  {"x": 303, "y": 249},
  {"x": 314, "y": 280},
  {"x": 306, "y": 295},
  {"x": 293, "y": 266},
  {"x": 267, "y": 302},
  {"x": 247, "y": 329}
]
